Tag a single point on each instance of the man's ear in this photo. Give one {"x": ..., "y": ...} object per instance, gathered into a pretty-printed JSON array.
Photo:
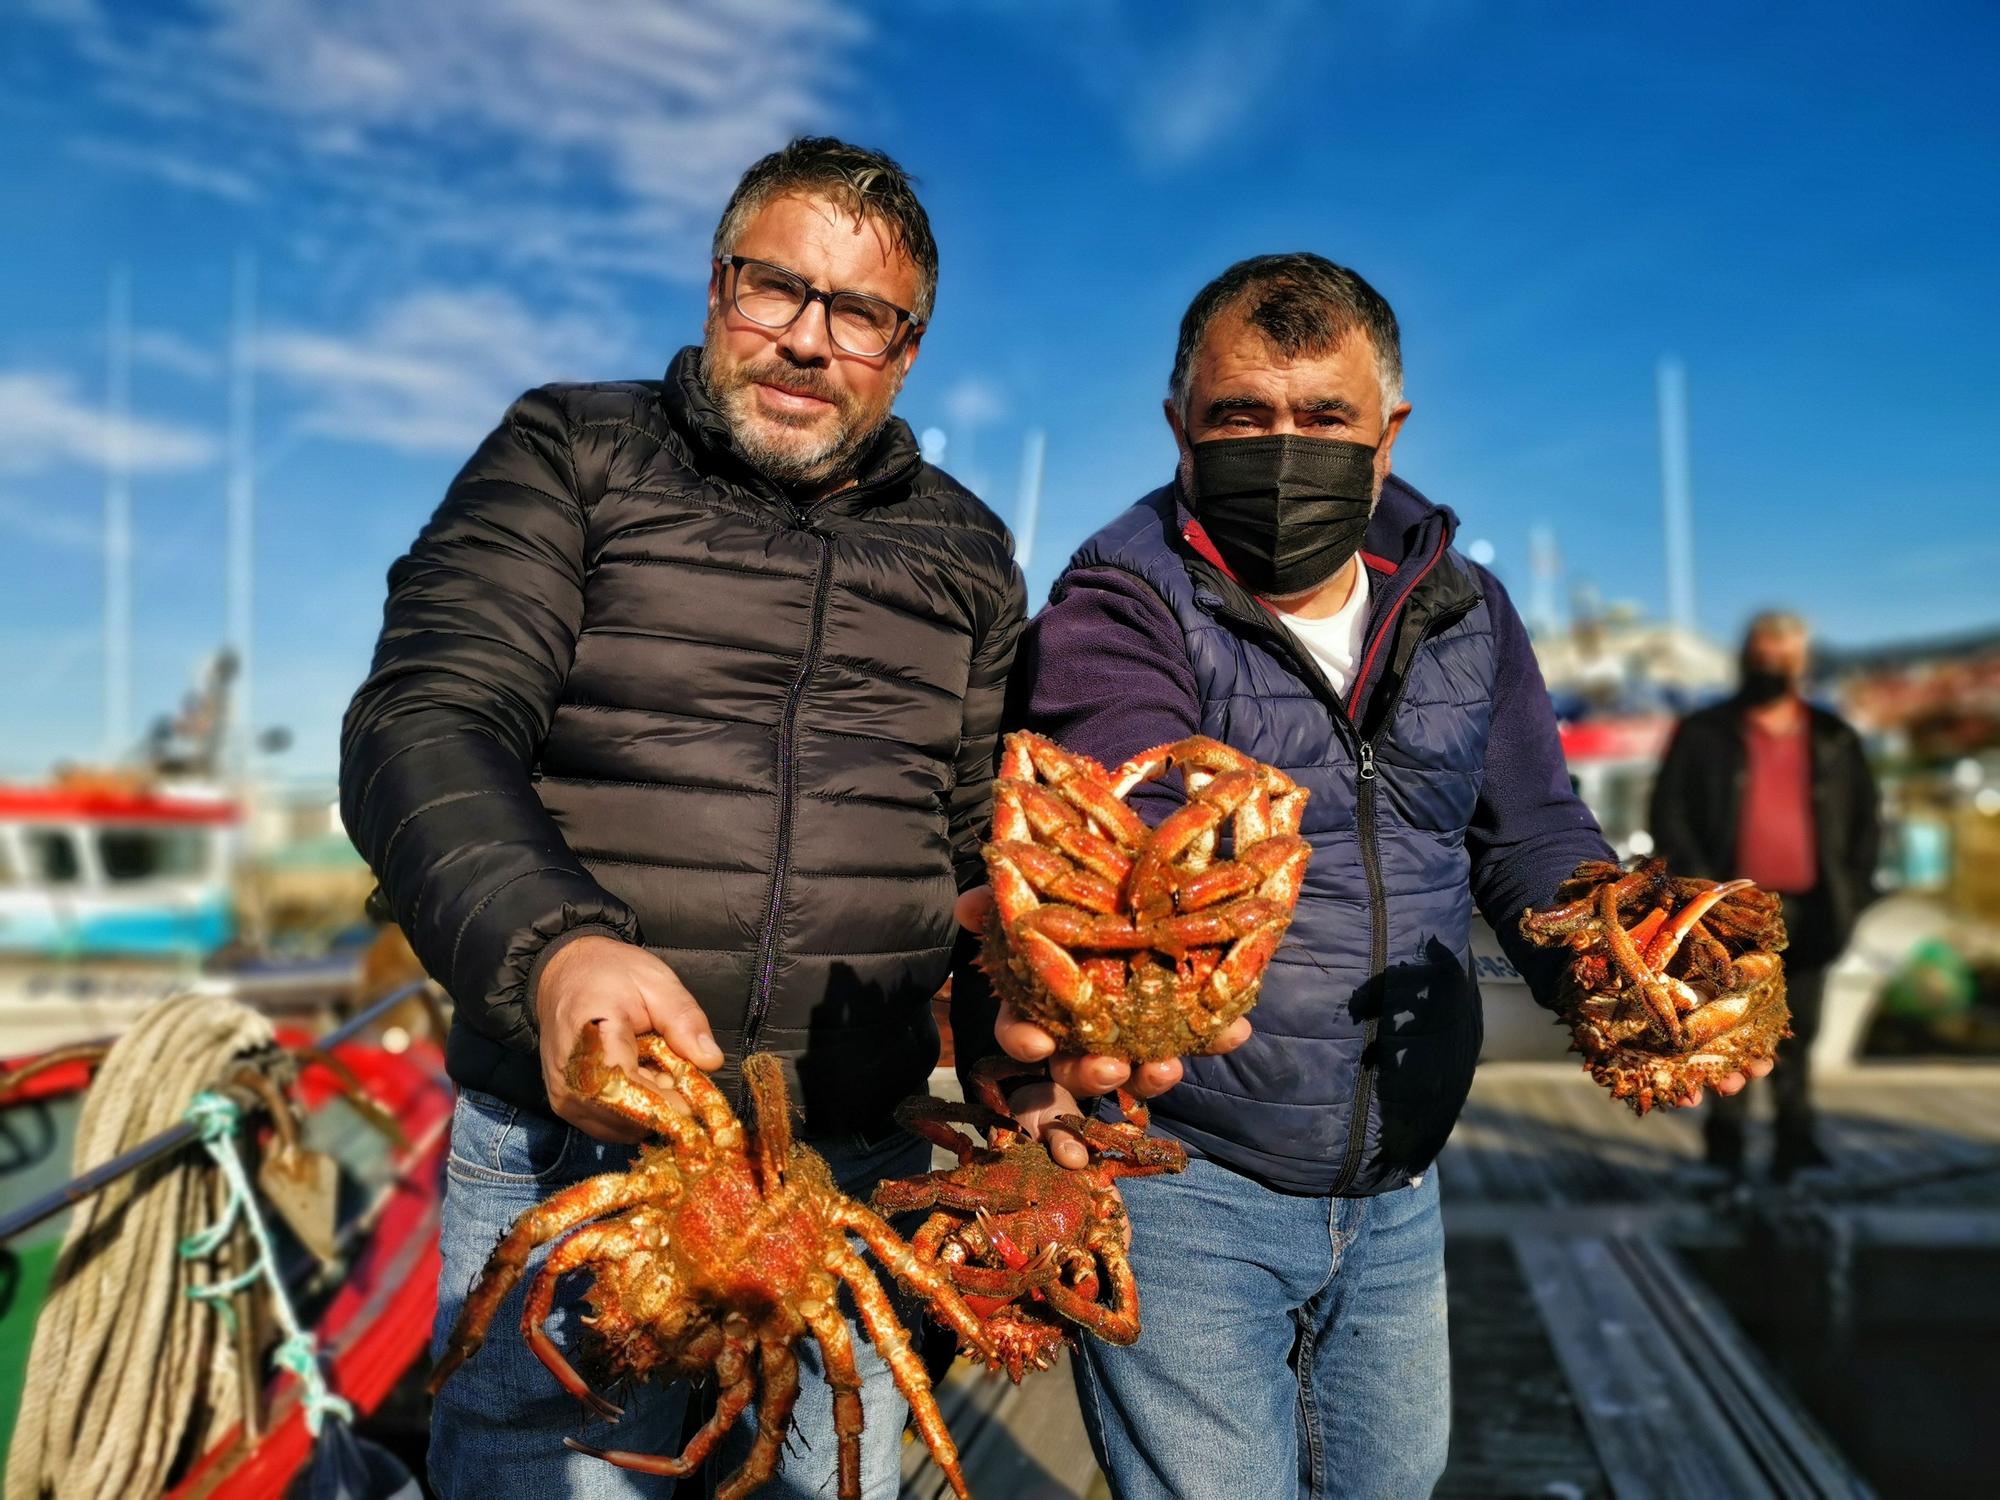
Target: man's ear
[
  {"x": 1175, "y": 425},
  {"x": 911, "y": 342},
  {"x": 716, "y": 272},
  {"x": 1390, "y": 429}
]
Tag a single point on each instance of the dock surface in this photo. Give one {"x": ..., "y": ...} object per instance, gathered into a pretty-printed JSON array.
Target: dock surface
[{"x": 1589, "y": 1357}]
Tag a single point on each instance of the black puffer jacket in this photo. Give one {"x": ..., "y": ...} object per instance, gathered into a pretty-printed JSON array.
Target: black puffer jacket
[
  {"x": 624, "y": 685},
  {"x": 1698, "y": 805}
]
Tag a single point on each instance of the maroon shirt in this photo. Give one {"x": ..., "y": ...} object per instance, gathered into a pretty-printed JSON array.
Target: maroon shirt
[{"x": 1776, "y": 844}]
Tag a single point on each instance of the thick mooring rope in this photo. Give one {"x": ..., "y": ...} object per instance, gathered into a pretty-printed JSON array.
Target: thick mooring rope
[{"x": 130, "y": 1373}]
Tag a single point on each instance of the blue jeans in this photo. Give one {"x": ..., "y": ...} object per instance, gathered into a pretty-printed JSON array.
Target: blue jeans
[
  {"x": 499, "y": 1423},
  {"x": 1291, "y": 1345}
]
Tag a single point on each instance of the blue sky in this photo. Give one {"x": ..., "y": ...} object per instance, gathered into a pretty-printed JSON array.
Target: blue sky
[{"x": 449, "y": 202}]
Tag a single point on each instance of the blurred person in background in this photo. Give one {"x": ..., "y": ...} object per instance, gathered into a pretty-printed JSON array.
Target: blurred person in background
[
  {"x": 1769, "y": 787},
  {"x": 1288, "y": 595},
  {"x": 683, "y": 720}
]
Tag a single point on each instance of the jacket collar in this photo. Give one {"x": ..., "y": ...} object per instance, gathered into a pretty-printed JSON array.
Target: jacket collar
[{"x": 892, "y": 459}]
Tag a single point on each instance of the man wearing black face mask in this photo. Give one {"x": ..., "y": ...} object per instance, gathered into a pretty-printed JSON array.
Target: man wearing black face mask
[
  {"x": 1288, "y": 595},
  {"x": 1768, "y": 786}
]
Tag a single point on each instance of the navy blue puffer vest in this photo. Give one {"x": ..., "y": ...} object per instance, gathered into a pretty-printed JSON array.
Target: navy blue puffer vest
[{"x": 1368, "y": 1025}]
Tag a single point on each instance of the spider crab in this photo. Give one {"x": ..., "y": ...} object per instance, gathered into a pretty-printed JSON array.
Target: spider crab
[
  {"x": 1131, "y": 941},
  {"x": 720, "y": 1250},
  {"x": 1033, "y": 1246},
  {"x": 1676, "y": 981}
]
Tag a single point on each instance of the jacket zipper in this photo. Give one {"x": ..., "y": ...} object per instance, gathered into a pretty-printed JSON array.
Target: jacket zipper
[
  {"x": 1378, "y": 962},
  {"x": 1371, "y": 865},
  {"x": 767, "y": 946}
]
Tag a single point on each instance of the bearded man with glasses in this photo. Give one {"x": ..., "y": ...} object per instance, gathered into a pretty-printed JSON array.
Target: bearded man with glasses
[{"x": 683, "y": 720}]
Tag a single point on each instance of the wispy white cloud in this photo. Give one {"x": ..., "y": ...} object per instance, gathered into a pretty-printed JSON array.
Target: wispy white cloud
[
  {"x": 973, "y": 403},
  {"x": 45, "y": 423},
  {"x": 168, "y": 166},
  {"x": 529, "y": 131},
  {"x": 50, "y": 526},
  {"x": 432, "y": 371},
  {"x": 165, "y": 350},
  {"x": 1177, "y": 78}
]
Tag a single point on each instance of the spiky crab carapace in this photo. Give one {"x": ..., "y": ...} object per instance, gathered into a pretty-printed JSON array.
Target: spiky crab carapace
[
  {"x": 1676, "y": 981},
  {"x": 1037, "y": 1249},
  {"x": 1128, "y": 941},
  {"x": 716, "y": 1254}
]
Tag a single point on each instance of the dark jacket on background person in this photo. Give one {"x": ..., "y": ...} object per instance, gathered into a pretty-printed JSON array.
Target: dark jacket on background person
[
  {"x": 626, "y": 686},
  {"x": 1698, "y": 804},
  {"x": 1437, "y": 781}
]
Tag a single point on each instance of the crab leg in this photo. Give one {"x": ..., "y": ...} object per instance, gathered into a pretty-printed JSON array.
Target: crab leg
[
  {"x": 590, "y": 1199},
  {"x": 594, "y": 1242},
  {"x": 1579, "y": 914},
  {"x": 1117, "y": 1323},
  {"x": 774, "y": 1416},
  {"x": 645, "y": 1106},
  {"x": 1652, "y": 988},
  {"x": 896, "y": 1256},
  {"x": 1150, "y": 885},
  {"x": 707, "y": 1101},
  {"x": 732, "y": 1373},
  {"x": 837, "y": 1350},
  {"x": 1023, "y": 809},
  {"x": 1684, "y": 920},
  {"x": 893, "y": 1344},
  {"x": 1049, "y": 874},
  {"x": 765, "y": 1077}
]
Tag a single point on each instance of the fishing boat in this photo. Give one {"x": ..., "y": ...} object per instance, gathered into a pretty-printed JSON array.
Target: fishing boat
[{"x": 369, "y": 1306}]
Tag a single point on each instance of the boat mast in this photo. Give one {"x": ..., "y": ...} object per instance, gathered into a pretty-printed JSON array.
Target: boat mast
[
  {"x": 242, "y": 500},
  {"x": 118, "y": 518},
  {"x": 1675, "y": 497},
  {"x": 1028, "y": 513}
]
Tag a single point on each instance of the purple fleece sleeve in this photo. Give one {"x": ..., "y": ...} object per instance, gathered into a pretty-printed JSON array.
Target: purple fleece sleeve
[
  {"x": 1105, "y": 672},
  {"x": 1530, "y": 828}
]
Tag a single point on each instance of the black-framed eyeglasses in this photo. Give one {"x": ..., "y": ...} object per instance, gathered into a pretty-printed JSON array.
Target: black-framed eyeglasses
[{"x": 772, "y": 297}]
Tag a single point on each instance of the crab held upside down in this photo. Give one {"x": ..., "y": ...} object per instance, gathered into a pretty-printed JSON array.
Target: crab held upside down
[
  {"x": 715, "y": 1255},
  {"x": 1676, "y": 981},
  {"x": 1038, "y": 1249},
  {"x": 1131, "y": 941}
]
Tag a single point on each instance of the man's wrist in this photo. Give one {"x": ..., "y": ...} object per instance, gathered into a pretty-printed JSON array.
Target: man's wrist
[{"x": 539, "y": 968}]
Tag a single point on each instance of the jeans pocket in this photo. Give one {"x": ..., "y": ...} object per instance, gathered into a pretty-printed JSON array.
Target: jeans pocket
[{"x": 494, "y": 1141}]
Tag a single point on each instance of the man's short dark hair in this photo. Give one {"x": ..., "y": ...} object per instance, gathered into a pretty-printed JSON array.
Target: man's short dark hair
[
  {"x": 867, "y": 184},
  {"x": 1303, "y": 303}
]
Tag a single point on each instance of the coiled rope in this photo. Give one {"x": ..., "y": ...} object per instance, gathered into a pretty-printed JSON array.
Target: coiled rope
[{"x": 130, "y": 1373}]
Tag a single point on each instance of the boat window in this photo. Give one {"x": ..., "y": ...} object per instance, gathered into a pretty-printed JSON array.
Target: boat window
[
  {"x": 152, "y": 853},
  {"x": 9, "y": 875},
  {"x": 52, "y": 856}
]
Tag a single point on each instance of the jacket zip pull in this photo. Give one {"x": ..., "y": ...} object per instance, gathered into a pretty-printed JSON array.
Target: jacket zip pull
[{"x": 1367, "y": 760}]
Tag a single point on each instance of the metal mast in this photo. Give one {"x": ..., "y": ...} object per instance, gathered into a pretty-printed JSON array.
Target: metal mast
[
  {"x": 1028, "y": 515},
  {"x": 1675, "y": 498},
  {"x": 242, "y": 497},
  {"x": 118, "y": 518}
]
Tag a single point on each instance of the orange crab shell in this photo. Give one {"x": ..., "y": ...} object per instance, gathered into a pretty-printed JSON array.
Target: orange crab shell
[{"x": 1129, "y": 941}]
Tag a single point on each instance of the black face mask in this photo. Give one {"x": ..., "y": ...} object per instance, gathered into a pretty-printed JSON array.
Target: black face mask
[
  {"x": 1761, "y": 686},
  {"x": 1287, "y": 512}
]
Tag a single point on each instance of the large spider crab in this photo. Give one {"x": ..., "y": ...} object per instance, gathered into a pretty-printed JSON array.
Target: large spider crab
[
  {"x": 1128, "y": 941},
  {"x": 721, "y": 1248},
  {"x": 1676, "y": 981},
  {"x": 1037, "y": 1249}
]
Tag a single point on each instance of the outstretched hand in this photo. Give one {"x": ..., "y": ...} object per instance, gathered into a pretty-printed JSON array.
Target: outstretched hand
[
  {"x": 1072, "y": 1076},
  {"x": 623, "y": 991},
  {"x": 1731, "y": 1083}
]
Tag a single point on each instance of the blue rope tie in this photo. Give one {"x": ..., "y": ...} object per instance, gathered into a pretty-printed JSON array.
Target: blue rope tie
[{"x": 218, "y": 1120}]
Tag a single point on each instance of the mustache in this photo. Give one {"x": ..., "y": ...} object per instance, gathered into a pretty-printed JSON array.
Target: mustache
[{"x": 798, "y": 379}]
